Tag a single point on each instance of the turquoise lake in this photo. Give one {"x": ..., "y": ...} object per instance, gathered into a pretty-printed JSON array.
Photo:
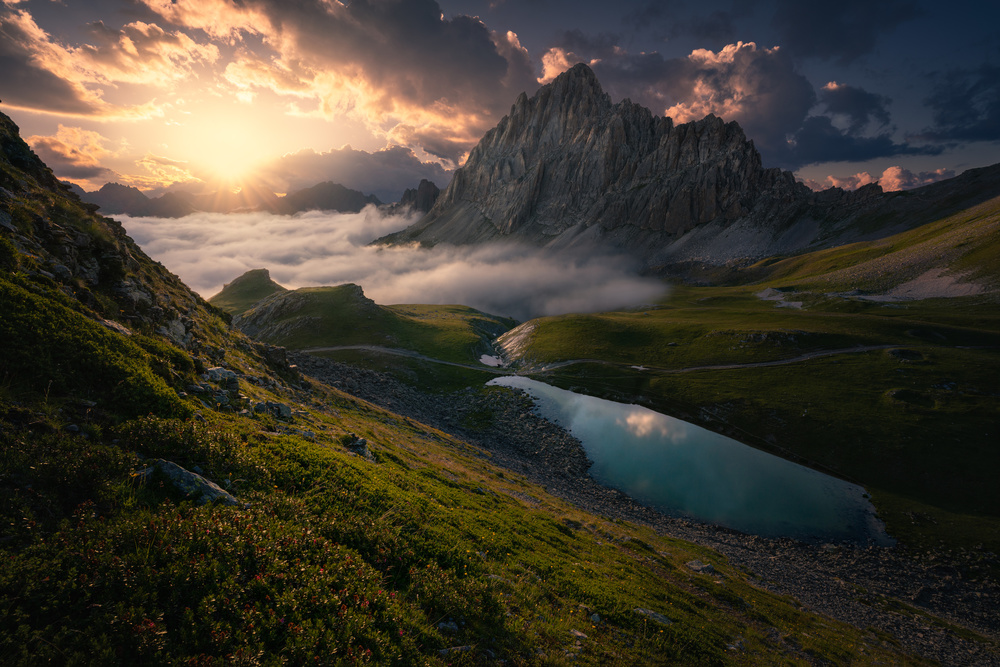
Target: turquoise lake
[{"x": 688, "y": 471}]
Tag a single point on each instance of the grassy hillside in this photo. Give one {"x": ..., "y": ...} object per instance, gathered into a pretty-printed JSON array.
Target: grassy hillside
[
  {"x": 313, "y": 317},
  {"x": 895, "y": 392},
  {"x": 240, "y": 295}
]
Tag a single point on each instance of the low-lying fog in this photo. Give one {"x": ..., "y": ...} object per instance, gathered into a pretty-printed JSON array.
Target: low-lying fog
[{"x": 321, "y": 248}]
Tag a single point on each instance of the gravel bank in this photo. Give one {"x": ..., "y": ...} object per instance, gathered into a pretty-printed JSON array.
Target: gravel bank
[{"x": 876, "y": 587}]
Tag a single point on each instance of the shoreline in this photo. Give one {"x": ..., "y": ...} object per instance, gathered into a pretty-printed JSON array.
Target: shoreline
[{"x": 866, "y": 586}]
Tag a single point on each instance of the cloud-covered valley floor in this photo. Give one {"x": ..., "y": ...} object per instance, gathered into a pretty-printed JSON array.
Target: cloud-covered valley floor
[{"x": 207, "y": 250}]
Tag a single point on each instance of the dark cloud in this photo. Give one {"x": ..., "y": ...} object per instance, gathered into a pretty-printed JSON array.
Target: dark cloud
[
  {"x": 966, "y": 106},
  {"x": 857, "y": 104},
  {"x": 385, "y": 173},
  {"x": 25, "y": 82},
  {"x": 841, "y": 31},
  {"x": 819, "y": 140},
  {"x": 672, "y": 19}
]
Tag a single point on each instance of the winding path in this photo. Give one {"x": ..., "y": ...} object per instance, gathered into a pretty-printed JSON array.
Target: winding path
[{"x": 570, "y": 362}]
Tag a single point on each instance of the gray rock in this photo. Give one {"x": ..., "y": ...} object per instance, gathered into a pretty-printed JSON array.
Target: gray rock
[
  {"x": 191, "y": 484},
  {"x": 219, "y": 374},
  {"x": 698, "y": 566},
  {"x": 62, "y": 272},
  {"x": 448, "y": 626},
  {"x": 653, "y": 616},
  {"x": 115, "y": 326}
]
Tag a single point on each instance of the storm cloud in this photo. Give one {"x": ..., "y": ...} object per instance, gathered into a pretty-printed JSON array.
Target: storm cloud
[{"x": 208, "y": 250}]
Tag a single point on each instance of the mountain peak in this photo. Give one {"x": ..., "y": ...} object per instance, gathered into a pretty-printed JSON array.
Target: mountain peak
[{"x": 568, "y": 166}]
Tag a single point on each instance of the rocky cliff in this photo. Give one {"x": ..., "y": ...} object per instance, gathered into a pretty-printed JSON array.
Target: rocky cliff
[{"x": 567, "y": 167}]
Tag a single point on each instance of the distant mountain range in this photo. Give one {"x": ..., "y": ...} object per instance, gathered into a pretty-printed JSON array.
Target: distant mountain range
[
  {"x": 568, "y": 168},
  {"x": 115, "y": 198}
]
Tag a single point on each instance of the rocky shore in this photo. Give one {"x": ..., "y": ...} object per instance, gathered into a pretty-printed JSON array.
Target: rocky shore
[{"x": 890, "y": 590}]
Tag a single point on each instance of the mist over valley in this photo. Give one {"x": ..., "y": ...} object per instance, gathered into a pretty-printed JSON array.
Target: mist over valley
[{"x": 207, "y": 250}]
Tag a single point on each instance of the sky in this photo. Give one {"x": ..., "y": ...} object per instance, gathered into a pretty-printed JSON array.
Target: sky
[{"x": 377, "y": 94}]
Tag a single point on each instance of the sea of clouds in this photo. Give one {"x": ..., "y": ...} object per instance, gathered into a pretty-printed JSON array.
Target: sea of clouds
[{"x": 207, "y": 250}]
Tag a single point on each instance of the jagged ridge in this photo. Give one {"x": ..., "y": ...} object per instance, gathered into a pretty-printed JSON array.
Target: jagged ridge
[{"x": 568, "y": 167}]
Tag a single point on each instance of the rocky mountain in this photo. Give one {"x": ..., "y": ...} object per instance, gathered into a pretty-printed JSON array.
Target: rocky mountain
[
  {"x": 567, "y": 167},
  {"x": 325, "y": 196},
  {"x": 421, "y": 198},
  {"x": 115, "y": 198}
]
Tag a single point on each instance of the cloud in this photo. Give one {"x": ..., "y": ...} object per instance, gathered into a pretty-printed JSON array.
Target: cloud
[
  {"x": 673, "y": 20},
  {"x": 401, "y": 67},
  {"x": 385, "y": 173},
  {"x": 73, "y": 153},
  {"x": 842, "y": 31},
  {"x": 208, "y": 250},
  {"x": 899, "y": 178},
  {"x": 160, "y": 172},
  {"x": 965, "y": 106},
  {"x": 140, "y": 53},
  {"x": 892, "y": 179},
  {"x": 819, "y": 140},
  {"x": 856, "y": 104},
  {"x": 39, "y": 73},
  {"x": 26, "y": 76}
]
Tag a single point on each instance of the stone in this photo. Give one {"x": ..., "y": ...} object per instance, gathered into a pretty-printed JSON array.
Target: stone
[
  {"x": 62, "y": 273},
  {"x": 698, "y": 566},
  {"x": 219, "y": 374},
  {"x": 189, "y": 483},
  {"x": 653, "y": 616},
  {"x": 448, "y": 626}
]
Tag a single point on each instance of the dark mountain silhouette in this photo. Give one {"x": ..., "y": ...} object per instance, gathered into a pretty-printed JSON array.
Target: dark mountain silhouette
[{"x": 326, "y": 196}]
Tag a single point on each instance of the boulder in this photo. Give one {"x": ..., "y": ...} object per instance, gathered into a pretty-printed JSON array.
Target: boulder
[{"x": 190, "y": 484}]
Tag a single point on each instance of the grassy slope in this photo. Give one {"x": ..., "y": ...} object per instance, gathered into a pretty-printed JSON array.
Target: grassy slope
[
  {"x": 331, "y": 316},
  {"x": 917, "y": 428},
  {"x": 347, "y": 559}
]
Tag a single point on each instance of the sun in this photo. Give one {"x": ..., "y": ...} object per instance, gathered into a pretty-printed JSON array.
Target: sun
[{"x": 226, "y": 144}]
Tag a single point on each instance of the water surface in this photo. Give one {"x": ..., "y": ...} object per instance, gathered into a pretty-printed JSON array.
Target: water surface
[{"x": 685, "y": 470}]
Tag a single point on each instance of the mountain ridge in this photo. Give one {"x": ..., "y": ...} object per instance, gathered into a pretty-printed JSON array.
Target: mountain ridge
[{"x": 567, "y": 167}]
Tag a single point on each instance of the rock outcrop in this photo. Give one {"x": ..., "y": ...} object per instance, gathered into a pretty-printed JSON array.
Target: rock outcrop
[
  {"x": 567, "y": 167},
  {"x": 422, "y": 198}
]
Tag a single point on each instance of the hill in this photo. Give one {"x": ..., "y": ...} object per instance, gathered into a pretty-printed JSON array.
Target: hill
[
  {"x": 340, "y": 532},
  {"x": 243, "y": 292},
  {"x": 343, "y": 317},
  {"x": 568, "y": 168},
  {"x": 325, "y": 196}
]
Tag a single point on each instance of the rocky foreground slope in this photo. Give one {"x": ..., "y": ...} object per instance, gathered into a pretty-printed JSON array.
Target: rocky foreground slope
[{"x": 567, "y": 167}]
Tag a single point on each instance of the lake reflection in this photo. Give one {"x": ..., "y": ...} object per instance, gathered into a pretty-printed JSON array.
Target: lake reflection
[{"x": 685, "y": 470}]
